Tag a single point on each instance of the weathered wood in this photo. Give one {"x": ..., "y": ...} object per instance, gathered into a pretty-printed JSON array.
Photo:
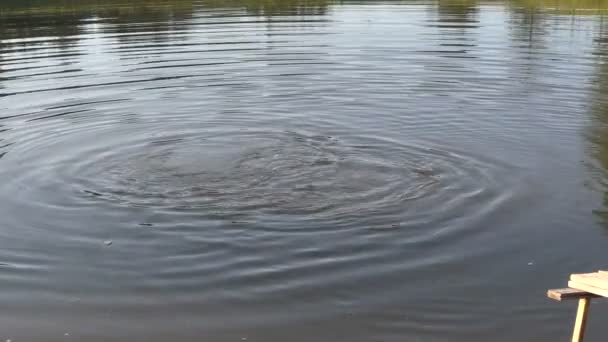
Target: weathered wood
[
  {"x": 581, "y": 319},
  {"x": 569, "y": 293},
  {"x": 589, "y": 288}
]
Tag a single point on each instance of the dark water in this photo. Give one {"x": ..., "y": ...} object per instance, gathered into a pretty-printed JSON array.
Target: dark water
[{"x": 300, "y": 170}]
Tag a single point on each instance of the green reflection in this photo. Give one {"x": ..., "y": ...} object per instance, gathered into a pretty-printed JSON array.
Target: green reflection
[
  {"x": 458, "y": 23},
  {"x": 65, "y": 18},
  {"x": 579, "y": 7},
  {"x": 598, "y": 132},
  {"x": 274, "y": 7},
  {"x": 129, "y": 7},
  {"x": 458, "y": 10}
]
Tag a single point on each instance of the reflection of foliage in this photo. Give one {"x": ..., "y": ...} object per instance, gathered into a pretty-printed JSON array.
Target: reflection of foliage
[
  {"x": 458, "y": 9},
  {"x": 529, "y": 25},
  {"x": 257, "y": 7},
  {"x": 59, "y": 7},
  {"x": 104, "y": 8},
  {"x": 565, "y": 6},
  {"x": 274, "y": 7},
  {"x": 598, "y": 133},
  {"x": 60, "y": 18},
  {"x": 28, "y": 26}
]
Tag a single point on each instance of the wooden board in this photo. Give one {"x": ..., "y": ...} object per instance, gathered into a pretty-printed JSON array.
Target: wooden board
[
  {"x": 589, "y": 288},
  {"x": 597, "y": 279},
  {"x": 569, "y": 293},
  {"x": 581, "y": 320}
]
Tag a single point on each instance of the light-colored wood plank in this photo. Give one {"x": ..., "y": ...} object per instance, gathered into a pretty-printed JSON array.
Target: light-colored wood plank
[
  {"x": 599, "y": 280},
  {"x": 568, "y": 293},
  {"x": 588, "y": 288},
  {"x": 591, "y": 275},
  {"x": 581, "y": 319}
]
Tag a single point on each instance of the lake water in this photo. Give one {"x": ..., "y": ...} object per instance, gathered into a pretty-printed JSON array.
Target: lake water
[{"x": 300, "y": 170}]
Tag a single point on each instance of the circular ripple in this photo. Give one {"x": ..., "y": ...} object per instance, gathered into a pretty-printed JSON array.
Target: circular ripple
[{"x": 252, "y": 173}]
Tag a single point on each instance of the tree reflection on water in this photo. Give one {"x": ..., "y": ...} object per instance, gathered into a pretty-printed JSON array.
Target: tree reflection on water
[{"x": 598, "y": 133}]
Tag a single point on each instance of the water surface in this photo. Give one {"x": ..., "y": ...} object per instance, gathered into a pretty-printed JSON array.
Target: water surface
[{"x": 300, "y": 170}]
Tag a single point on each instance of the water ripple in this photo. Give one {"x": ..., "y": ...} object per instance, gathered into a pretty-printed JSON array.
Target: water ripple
[{"x": 378, "y": 166}]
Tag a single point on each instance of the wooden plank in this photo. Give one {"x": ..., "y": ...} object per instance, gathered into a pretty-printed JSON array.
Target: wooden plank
[
  {"x": 599, "y": 280},
  {"x": 581, "y": 319},
  {"x": 588, "y": 288},
  {"x": 591, "y": 275},
  {"x": 568, "y": 293}
]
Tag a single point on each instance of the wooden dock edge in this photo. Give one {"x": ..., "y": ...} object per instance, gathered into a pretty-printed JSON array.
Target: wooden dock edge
[
  {"x": 584, "y": 301},
  {"x": 569, "y": 293}
]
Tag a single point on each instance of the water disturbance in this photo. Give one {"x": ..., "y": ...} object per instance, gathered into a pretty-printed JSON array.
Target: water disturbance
[{"x": 300, "y": 170}]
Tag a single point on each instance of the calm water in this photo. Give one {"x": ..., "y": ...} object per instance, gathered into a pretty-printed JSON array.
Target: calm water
[{"x": 300, "y": 170}]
